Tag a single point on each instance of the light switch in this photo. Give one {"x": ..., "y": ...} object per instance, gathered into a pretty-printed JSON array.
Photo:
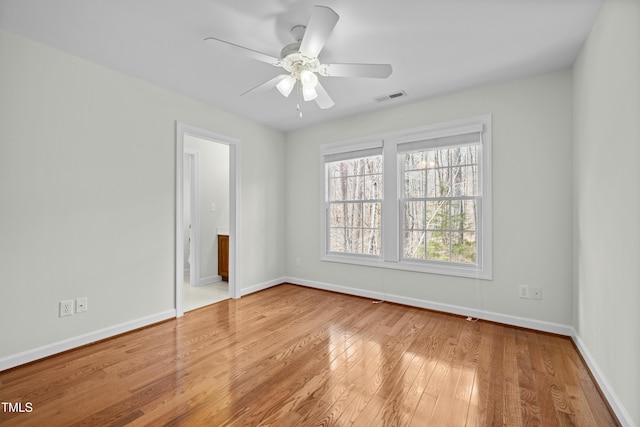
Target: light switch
[{"x": 213, "y": 207}]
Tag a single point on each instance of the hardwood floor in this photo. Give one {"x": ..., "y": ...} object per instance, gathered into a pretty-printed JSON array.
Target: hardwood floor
[{"x": 292, "y": 356}]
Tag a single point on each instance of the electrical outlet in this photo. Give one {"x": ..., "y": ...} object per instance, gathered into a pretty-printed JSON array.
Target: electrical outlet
[
  {"x": 298, "y": 262},
  {"x": 66, "y": 308},
  {"x": 536, "y": 293},
  {"x": 81, "y": 305},
  {"x": 523, "y": 291}
]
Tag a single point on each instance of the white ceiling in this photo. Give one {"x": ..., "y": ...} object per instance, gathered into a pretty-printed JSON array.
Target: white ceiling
[{"x": 434, "y": 46}]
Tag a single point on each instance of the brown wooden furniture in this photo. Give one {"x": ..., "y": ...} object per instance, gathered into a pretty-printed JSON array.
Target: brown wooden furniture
[{"x": 223, "y": 257}]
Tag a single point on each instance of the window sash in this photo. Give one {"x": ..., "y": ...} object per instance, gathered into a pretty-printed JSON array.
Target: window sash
[
  {"x": 470, "y": 139},
  {"x": 364, "y": 232}
]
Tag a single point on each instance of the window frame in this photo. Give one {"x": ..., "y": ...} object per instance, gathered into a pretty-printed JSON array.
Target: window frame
[
  {"x": 361, "y": 203},
  {"x": 343, "y": 151},
  {"x": 393, "y": 143}
]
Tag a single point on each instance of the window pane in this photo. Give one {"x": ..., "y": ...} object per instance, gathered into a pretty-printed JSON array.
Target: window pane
[
  {"x": 463, "y": 247},
  {"x": 431, "y": 183},
  {"x": 456, "y": 214},
  {"x": 372, "y": 239},
  {"x": 469, "y": 212},
  {"x": 337, "y": 188},
  {"x": 371, "y": 213},
  {"x": 467, "y": 155},
  {"x": 353, "y": 241},
  {"x": 439, "y": 184},
  {"x": 414, "y": 245},
  {"x": 373, "y": 187},
  {"x": 438, "y": 215},
  {"x": 373, "y": 165},
  {"x": 353, "y": 214},
  {"x": 337, "y": 169},
  {"x": 336, "y": 215},
  {"x": 361, "y": 166},
  {"x": 464, "y": 181},
  {"x": 337, "y": 240},
  {"x": 415, "y": 160},
  {"x": 438, "y": 245},
  {"x": 354, "y": 188},
  {"x": 414, "y": 215},
  {"x": 463, "y": 215},
  {"x": 441, "y": 158},
  {"x": 414, "y": 184}
]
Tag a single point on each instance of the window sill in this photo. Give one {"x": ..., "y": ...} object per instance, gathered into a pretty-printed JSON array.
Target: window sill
[{"x": 420, "y": 267}]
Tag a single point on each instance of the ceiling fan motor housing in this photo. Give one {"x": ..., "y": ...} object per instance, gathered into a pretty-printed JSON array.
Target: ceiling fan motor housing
[
  {"x": 295, "y": 62},
  {"x": 292, "y": 60},
  {"x": 289, "y": 49}
]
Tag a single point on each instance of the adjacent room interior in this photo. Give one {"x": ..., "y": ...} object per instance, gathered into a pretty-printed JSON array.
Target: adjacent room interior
[
  {"x": 99, "y": 203},
  {"x": 205, "y": 222}
]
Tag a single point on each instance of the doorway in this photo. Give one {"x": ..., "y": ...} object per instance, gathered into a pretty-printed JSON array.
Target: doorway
[
  {"x": 206, "y": 207},
  {"x": 206, "y": 178}
]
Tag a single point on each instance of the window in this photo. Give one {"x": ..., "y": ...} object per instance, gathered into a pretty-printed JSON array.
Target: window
[
  {"x": 433, "y": 213},
  {"x": 354, "y": 202},
  {"x": 440, "y": 199}
]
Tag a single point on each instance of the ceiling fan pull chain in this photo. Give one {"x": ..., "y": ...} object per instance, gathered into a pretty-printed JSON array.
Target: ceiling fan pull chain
[{"x": 299, "y": 85}]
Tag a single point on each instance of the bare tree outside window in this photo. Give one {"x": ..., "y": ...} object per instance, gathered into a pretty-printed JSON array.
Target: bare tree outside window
[
  {"x": 440, "y": 204},
  {"x": 355, "y": 205}
]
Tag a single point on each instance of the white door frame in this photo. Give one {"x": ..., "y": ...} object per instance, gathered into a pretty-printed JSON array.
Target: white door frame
[
  {"x": 194, "y": 201},
  {"x": 234, "y": 199}
]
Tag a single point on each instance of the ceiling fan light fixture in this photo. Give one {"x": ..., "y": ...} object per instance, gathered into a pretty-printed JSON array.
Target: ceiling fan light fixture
[
  {"x": 285, "y": 86},
  {"x": 308, "y": 79},
  {"x": 309, "y": 93},
  {"x": 301, "y": 64}
]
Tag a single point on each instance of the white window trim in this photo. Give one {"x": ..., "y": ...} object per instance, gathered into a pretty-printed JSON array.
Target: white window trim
[
  {"x": 332, "y": 150},
  {"x": 391, "y": 231}
]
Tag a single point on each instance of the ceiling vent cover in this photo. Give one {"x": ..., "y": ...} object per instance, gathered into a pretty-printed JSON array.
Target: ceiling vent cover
[{"x": 390, "y": 96}]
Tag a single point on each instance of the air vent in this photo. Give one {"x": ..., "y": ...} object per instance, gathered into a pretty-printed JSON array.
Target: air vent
[{"x": 390, "y": 96}]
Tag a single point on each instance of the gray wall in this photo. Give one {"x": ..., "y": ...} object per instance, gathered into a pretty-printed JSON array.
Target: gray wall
[
  {"x": 531, "y": 200},
  {"x": 87, "y": 187},
  {"x": 607, "y": 198}
]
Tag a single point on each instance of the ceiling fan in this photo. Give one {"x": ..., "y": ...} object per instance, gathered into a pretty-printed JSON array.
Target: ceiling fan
[{"x": 300, "y": 61}]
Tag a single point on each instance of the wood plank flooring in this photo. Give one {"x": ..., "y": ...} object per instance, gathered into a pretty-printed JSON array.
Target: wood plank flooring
[{"x": 292, "y": 356}]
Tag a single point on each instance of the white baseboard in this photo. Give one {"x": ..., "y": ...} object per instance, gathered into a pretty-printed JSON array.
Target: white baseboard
[
  {"x": 607, "y": 390},
  {"x": 88, "y": 338},
  {"x": 522, "y": 322},
  {"x": 208, "y": 280},
  {"x": 18, "y": 359},
  {"x": 262, "y": 286},
  {"x": 11, "y": 361}
]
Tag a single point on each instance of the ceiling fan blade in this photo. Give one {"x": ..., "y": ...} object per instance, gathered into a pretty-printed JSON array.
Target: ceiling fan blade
[
  {"x": 320, "y": 25},
  {"x": 323, "y": 100},
  {"x": 246, "y": 51},
  {"x": 269, "y": 84},
  {"x": 377, "y": 71}
]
